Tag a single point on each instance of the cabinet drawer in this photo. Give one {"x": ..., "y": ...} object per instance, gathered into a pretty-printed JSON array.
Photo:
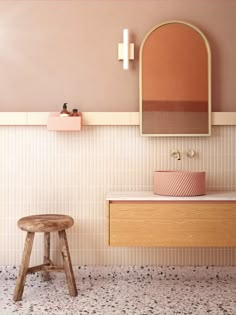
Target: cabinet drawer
[{"x": 172, "y": 224}]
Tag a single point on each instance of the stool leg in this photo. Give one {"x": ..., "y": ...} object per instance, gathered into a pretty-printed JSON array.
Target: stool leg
[
  {"x": 46, "y": 256},
  {"x": 67, "y": 263},
  {"x": 20, "y": 283}
]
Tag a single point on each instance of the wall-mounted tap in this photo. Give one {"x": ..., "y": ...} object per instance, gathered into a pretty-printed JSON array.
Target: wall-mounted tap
[
  {"x": 176, "y": 154},
  {"x": 190, "y": 153}
]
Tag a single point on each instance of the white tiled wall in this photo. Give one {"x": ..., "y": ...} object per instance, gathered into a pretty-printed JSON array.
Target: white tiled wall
[{"x": 71, "y": 172}]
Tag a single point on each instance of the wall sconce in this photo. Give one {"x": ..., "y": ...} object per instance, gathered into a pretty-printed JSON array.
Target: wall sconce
[{"x": 126, "y": 50}]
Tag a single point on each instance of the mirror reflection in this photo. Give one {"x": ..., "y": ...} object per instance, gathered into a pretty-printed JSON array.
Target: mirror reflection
[{"x": 175, "y": 81}]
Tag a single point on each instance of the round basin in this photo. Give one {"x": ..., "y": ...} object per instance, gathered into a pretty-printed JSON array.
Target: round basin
[{"x": 179, "y": 183}]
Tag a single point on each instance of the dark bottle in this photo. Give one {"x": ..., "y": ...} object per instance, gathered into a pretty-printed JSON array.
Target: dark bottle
[
  {"x": 64, "y": 111},
  {"x": 75, "y": 112}
]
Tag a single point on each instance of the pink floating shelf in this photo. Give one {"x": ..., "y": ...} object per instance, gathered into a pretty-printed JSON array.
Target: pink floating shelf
[{"x": 58, "y": 123}]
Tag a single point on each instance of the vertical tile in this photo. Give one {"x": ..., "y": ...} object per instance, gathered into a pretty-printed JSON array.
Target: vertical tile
[{"x": 70, "y": 173}]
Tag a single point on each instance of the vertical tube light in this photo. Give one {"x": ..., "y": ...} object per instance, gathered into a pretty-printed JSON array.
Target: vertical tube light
[{"x": 125, "y": 49}]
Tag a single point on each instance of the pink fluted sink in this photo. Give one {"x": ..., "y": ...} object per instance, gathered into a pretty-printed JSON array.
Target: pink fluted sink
[{"x": 179, "y": 183}]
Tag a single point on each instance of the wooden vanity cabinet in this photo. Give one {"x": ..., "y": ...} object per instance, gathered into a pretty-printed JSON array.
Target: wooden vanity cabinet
[{"x": 172, "y": 224}]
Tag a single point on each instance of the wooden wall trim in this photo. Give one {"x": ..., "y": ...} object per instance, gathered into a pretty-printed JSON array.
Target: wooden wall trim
[
  {"x": 223, "y": 118},
  {"x": 98, "y": 118}
]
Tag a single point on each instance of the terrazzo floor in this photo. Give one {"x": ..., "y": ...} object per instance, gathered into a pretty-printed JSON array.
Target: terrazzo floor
[{"x": 136, "y": 290}]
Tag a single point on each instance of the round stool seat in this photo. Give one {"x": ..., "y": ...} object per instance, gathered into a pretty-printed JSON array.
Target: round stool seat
[{"x": 45, "y": 223}]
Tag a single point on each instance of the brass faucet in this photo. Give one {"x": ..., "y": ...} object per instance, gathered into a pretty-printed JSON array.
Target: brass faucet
[{"x": 176, "y": 154}]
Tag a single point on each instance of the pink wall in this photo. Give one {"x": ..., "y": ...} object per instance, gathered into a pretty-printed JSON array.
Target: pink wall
[{"x": 66, "y": 51}]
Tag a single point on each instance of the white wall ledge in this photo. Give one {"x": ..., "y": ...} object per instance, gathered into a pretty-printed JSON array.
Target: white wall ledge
[{"x": 98, "y": 118}]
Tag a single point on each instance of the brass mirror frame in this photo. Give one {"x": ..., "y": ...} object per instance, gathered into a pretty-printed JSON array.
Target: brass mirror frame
[{"x": 209, "y": 80}]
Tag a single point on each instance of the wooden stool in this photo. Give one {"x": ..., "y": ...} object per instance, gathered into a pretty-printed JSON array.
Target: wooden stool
[{"x": 45, "y": 223}]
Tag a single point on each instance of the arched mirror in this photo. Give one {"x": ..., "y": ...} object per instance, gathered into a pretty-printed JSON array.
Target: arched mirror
[{"x": 175, "y": 81}]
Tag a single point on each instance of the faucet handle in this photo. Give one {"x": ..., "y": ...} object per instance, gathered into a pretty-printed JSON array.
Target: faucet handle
[{"x": 191, "y": 153}]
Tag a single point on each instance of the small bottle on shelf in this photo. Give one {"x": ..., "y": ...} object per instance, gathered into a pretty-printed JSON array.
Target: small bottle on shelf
[
  {"x": 75, "y": 112},
  {"x": 64, "y": 112}
]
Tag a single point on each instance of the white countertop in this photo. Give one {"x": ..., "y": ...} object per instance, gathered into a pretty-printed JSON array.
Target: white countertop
[{"x": 150, "y": 196}]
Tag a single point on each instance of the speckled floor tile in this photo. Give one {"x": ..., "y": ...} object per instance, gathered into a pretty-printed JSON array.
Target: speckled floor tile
[{"x": 136, "y": 290}]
